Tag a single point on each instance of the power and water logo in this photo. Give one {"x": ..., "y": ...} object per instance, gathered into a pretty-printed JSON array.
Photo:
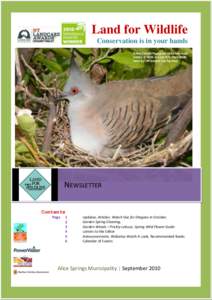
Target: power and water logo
[
  {"x": 73, "y": 33},
  {"x": 35, "y": 184}
]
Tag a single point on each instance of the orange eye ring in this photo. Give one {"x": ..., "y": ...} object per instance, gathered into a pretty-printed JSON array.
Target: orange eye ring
[{"x": 74, "y": 90}]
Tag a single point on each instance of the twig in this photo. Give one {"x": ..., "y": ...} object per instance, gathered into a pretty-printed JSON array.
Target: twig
[
  {"x": 40, "y": 100},
  {"x": 170, "y": 153},
  {"x": 19, "y": 88},
  {"x": 184, "y": 164},
  {"x": 100, "y": 58},
  {"x": 49, "y": 89},
  {"x": 154, "y": 140},
  {"x": 18, "y": 67},
  {"x": 116, "y": 154},
  {"x": 35, "y": 76},
  {"x": 26, "y": 161},
  {"x": 56, "y": 159},
  {"x": 34, "y": 154},
  {"x": 49, "y": 127}
]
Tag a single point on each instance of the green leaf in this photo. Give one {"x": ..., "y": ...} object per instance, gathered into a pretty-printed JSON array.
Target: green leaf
[
  {"x": 50, "y": 64},
  {"x": 27, "y": 124},
  {"x": 105, "y": 61},
  {"x": 127, "y": 58},
  {"x": 186, "y": 51},
  {"x": 123, "y": 72},
  {"x": 62, "y": 52},
  {"x": 26, "y": 77},
  {"x": 164, "y": 63},
  {"x": 188, "y": 159},
  {"x": 84, "y": 51},
  {"x": 20, "y": 147}
]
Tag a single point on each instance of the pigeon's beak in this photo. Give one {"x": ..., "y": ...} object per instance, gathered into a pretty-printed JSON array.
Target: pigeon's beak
[{"x": 61, "y": 97}]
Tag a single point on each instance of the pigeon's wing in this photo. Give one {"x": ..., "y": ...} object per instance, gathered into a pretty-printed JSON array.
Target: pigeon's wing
[
  {"x": 130, "y": 121},
  {"x": 132, "y": 110},
  {"x": 158, "y": 87}
]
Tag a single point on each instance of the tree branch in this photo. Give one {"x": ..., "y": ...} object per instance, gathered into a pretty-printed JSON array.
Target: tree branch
[
  {"x": 49, "y": 127},
  {"x": 44, "y": 87}
]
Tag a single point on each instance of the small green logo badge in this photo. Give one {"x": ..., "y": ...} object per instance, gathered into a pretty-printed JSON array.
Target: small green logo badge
[
  {"x": 35, "y": 184},
  {"x": 73, "y": 34}
]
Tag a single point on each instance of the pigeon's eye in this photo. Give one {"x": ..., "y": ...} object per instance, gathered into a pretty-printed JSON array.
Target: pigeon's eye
[{"x": 74, "y": 90}]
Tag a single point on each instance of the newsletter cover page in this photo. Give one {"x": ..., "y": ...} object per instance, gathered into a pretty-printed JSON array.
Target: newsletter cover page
[{"x": 106, "y": 150}]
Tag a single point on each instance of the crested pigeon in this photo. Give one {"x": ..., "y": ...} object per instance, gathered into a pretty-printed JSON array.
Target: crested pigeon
[{"x": 122, "y": 113}]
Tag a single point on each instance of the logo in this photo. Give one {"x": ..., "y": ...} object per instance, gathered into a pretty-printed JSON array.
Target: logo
[
  {"x": 35, "y": 185},
  {"x": 32, "y": 249},
  {"x": 22, "y": 261},
  {"x": 24, "y": 36},
  {"x": 73, "y": 34},
  {"x": 20, "y": 232},
  {"x": 39, "y": 36}
]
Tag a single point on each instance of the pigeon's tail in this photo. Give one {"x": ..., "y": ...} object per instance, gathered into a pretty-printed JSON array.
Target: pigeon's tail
[
  {"x": 175, "y": 114},
  {"x": 172, "y": 85},
  {"x": 177, "y": 92},
  {"x": 173, "y": 103},
  {"x": 181, "y": 82}
]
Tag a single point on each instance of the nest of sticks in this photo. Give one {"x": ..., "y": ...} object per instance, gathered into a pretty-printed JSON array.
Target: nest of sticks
[{"x": 62, "y": 153}]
